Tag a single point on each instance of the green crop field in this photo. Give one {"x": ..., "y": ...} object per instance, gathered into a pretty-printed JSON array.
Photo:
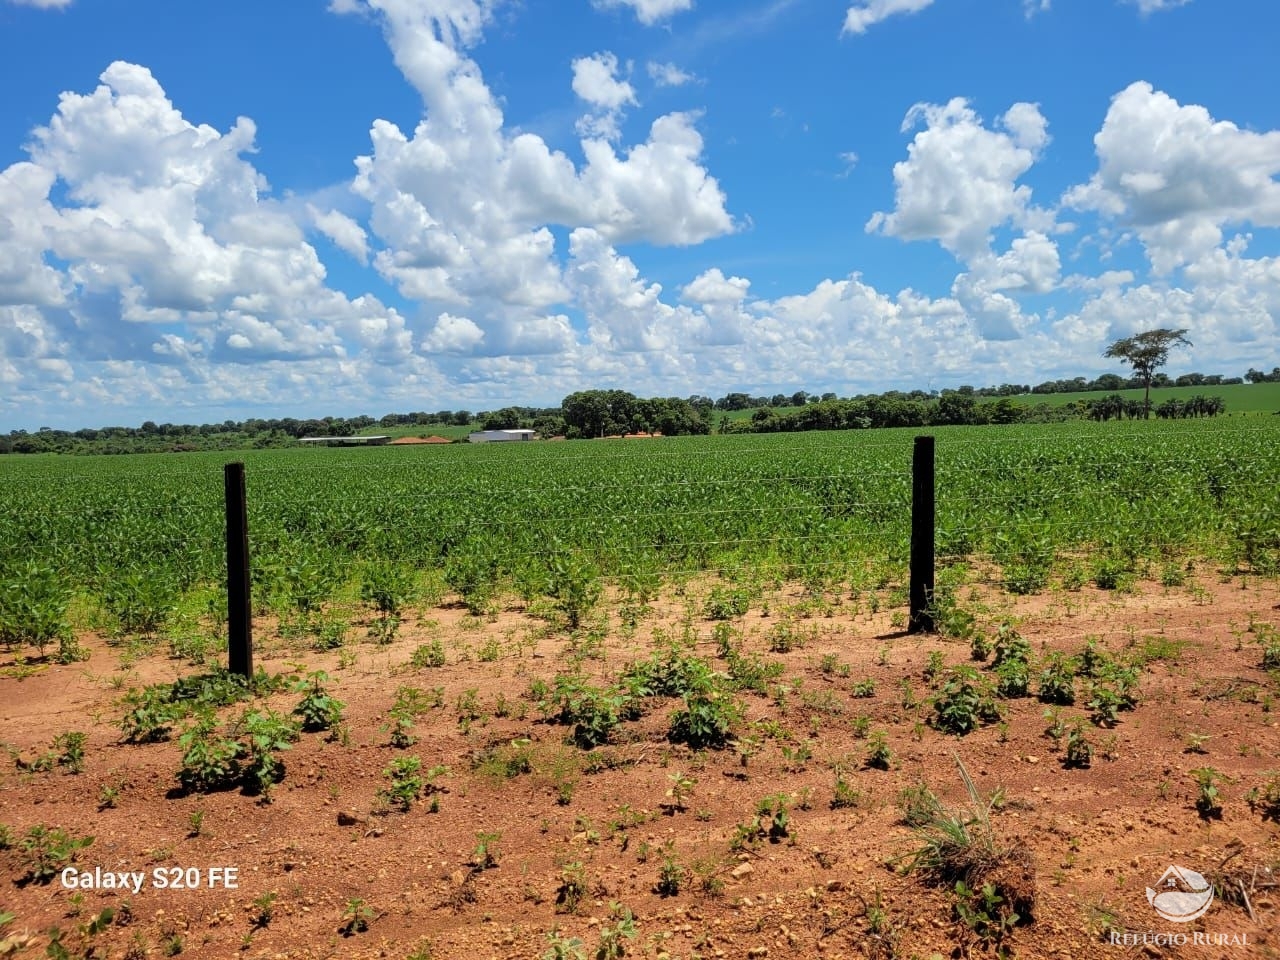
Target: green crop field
[
  {"x": 515, "y": 649},
  {"x": 126, "y": 541},
  {"x": 1239, "y": 397}
]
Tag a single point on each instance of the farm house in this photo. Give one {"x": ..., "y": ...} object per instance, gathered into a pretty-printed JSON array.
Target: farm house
[{"x": 500, "y": 436}]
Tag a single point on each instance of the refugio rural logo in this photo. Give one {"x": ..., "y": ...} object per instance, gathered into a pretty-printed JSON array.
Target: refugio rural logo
[{"x": 1181, "y": 895}]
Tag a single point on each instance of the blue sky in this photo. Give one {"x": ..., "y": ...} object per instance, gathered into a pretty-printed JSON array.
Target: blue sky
[{"x": 363, "y": 206}]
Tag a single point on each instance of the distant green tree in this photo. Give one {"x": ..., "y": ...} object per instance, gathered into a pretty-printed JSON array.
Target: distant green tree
[
  {"x": 736, "y": 401},
  {"x": 599, "y": 413},
  {"x": 955, "y": 408},
  {"x": 508, "y": 418},
  {"x": 1146, "y": 352}
]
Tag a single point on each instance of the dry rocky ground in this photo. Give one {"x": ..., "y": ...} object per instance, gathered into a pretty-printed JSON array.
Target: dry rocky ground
[{"x": 329, "y": 868}]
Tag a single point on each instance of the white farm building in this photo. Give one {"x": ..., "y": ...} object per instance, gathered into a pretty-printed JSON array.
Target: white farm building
[{"x": 500, "y": 436}]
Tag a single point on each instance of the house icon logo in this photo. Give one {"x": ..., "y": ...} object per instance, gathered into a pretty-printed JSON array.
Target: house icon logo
[{"x": 1181, "y": 895}]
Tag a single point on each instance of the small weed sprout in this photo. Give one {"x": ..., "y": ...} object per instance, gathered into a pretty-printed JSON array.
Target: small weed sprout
[
  {"x": 681, "y": 788},
  {"x": 263, "y": 905},
  {"x": 784, "y": 636},
  {"x": 1057, "y": 680},
  {"x": 69, "y": 750},
  {"x": 406, "y": 782},
  {"x": 428, "y": 655},
  {"x": 356, "y": 917},
  {"x": 879, "y": 756},
  {"x": 1079, "y": 751},
  {"x": 671, "y": 875},
  {"x": 1055, "y": 726},
  {"x": 1265, "y": 799},
  {"x": 933, "y": 669},
  {"x": 1208, "y": 797},
  {"x": 318, "y": 709},
  {"x": 401, "y": 729},
  {"x": 47, "y": 850},
  {"x": 485, "y": 855},
  {"x": 846, "y": 796},
  {"x": 985, "y": 913},
  {"x": 108, "y": 797},
  {"x": 572, "y": 888},
  {"x": 832, "y": 665},
  {"x": 795, "y": 758},
  {"x": 964, "y": 703},
  {"x": 1105, "y": 919},
  {"x": 774, "y": 809},
  {"x": 383, "y": 628},
  {"x": 564, "y": 948},
  {"x": 907, "y": 695},
  {"x": 612, "y": 935}
]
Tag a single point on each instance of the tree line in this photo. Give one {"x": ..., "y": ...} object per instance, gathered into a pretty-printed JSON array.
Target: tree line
[{"x": 603, "y": 413}]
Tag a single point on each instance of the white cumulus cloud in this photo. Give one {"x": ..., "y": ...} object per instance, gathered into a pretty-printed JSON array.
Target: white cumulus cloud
[
  {"x": 1154, "y": 6},
  {"x": 648, "y": 12},
  {"x": 1178, "y": 176},
  {"x": 668, "y": 74},
  {"x": 169, "y": 225},
  {"x": 453, "y": 335},
  {"x": 343, "y": 231},
  {"x": 27, "y": 222},
  {"x": 959, "y": 181},
  {"x": 145, "y": 262},
  {"x": 462, "y": 206},
  {"x": 712, "y": 286},
  {"x": 866, "y": 14},
  {"x": 623, "y": 313},
  {"x": 596, "y": 81}
]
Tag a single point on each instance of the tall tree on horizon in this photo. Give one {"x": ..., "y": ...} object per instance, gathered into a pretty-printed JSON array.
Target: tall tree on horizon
[{"x": 1146, "y": 352}]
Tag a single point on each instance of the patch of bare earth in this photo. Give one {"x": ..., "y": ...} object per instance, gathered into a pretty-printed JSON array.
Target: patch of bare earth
[{"x": 1088, "y": 842}]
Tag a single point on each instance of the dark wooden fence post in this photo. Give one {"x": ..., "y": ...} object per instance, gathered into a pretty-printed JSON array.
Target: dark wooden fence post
[
  {"x": 239, "y": 615},
  {"x": 922, "y": 524}
]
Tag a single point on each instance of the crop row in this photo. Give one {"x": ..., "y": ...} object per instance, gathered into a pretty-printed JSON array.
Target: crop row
[{"x": 134, "y": 536}]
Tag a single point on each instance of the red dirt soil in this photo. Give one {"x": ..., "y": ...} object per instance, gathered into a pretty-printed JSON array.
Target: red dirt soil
[{"x": 1098, "y": 837}]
